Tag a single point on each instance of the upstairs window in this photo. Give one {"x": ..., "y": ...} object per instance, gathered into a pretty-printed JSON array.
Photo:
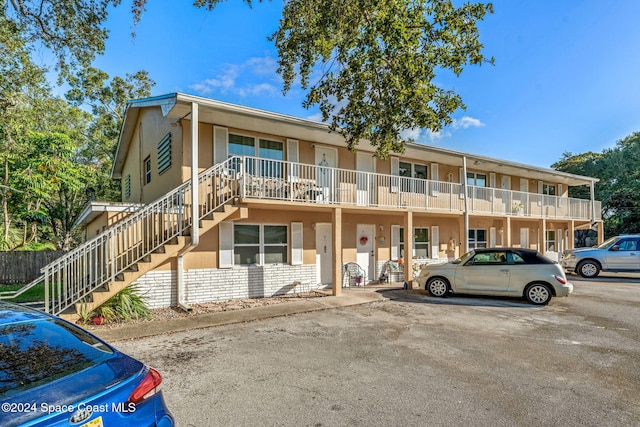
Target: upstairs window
[
  {"x": 147, "y": 170},
  {"x": 412, "y": 170},
  {"x": 548, "y": 189},
  {"x": 476, "y": 179}
]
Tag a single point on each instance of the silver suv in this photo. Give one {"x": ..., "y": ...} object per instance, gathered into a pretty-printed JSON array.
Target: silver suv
[{"x": 618, "y": 254}]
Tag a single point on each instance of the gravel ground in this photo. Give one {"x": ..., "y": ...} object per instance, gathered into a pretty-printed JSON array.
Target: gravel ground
[{"x": 212, "y": 307}]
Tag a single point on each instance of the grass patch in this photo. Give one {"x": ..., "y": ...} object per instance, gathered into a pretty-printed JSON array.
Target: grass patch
[{"x": 34, "y": 294}]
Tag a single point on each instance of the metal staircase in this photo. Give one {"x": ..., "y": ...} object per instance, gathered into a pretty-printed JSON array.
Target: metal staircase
[{"x": 90, "y": 274}]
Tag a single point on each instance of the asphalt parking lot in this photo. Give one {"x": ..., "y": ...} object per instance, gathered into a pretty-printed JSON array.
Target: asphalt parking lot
[{"x": 414, "y": 360}]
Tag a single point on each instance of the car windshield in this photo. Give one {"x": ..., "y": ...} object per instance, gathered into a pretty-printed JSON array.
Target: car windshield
[
  {"x": 37, "y": 352},
  {"x": 464, "y": 258},
  {"x": 608, "y": 243}
]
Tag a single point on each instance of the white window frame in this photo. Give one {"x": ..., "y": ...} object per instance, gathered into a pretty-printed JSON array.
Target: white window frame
[
  {"x": 146, "y": 166},
  {"x": 261, "y": 243},
  {"x": 548, "y": 240},
  {"x": 401, "y": 243},
  {"x": 474, "y": 244},
  {"x": 413, "y": 186}
]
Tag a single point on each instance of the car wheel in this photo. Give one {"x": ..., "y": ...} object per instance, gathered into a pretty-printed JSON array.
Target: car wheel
[
  {"x": 438, "y": 287},
  {"x": 538, "y": 294},
  {"x": 588, "y": 269}
]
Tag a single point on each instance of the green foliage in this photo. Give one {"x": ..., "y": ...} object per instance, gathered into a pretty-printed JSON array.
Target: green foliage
[
  {"x": 35, "y": 293},
  {"x": 73, "y": 30},
  {"x": 373, "y": 63},
  {"x": 618, "y": 170},
  {"x": 125, "y": 305}
]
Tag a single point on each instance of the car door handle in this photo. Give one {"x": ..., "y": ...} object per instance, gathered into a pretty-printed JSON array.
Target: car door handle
[{"x": 504, "y": 270}]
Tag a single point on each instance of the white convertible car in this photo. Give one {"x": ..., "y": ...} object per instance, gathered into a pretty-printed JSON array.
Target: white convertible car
[{"x": 498, "y": 271}]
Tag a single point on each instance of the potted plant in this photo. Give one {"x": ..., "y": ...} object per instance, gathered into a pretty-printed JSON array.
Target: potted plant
[
  {"x": 359, "y": 279},
  {"x": 518, "y": 208}
]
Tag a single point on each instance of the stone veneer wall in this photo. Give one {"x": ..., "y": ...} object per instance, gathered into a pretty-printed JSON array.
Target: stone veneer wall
[{"x": 208, "y": 285}]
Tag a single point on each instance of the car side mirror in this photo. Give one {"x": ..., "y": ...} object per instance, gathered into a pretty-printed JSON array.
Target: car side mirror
[{"x": 615, "y": 248}]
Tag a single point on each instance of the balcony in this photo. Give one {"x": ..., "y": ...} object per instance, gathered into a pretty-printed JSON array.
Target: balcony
[{"x": 260, "y": 178}]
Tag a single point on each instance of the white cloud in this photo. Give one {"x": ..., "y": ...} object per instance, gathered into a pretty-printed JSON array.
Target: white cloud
[
  {"x": 424, "y": 135},
  {"x": 466, "y": 122},
  {"x": 254, "y": 77}
]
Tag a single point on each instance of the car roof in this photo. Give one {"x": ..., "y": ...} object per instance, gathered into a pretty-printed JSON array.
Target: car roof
[
  {"x": 14, "y": 313},
  {"x": 521, "y": 250}
]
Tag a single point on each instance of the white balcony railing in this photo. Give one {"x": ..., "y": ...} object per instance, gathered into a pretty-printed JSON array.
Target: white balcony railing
[{"x": 279, "y": 180}]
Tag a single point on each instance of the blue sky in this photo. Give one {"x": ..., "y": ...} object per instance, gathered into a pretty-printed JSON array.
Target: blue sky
[{"x": 566, "y": 74}]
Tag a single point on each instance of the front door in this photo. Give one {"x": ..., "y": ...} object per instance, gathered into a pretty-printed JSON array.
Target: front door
[
  {"x": 505, "y": 186},
  {"x": 365, "y": 180},
  {"x": 326, "y": 160},
  {"x": 365, "y": 235},
  {"x": 324, "y": 259}
]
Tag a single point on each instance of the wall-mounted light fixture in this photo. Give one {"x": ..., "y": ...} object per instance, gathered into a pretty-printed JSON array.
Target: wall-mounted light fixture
[
  {"x": 313, "y": 225},
  {"x": 381, "y": 227}
]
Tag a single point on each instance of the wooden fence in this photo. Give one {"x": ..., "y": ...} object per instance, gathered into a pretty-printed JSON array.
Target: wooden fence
[{"x": 19, "y": 268}]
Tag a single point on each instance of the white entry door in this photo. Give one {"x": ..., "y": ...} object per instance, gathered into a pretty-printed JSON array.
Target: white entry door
[
  {"x": 505, "y": 185},
  {"x": 324, "y": 259},
  {"x": 524, "y": 238},
  {"x": 326, "y": 158},
  {"x": 365, "y": 165},
  {"x": 365, "y": 257}
]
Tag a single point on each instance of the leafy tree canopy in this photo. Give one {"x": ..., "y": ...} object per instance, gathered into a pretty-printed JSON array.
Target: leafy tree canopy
[
  {"x": 618, "y": 170},
  {"x": 369, "y": 65}
]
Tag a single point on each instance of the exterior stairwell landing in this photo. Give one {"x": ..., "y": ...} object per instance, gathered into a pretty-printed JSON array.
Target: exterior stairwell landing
[
  {"x": 91, "y": 273},
  {"x": 161, "y": 255}
]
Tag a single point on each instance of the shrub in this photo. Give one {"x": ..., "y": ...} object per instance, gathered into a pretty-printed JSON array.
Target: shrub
[{"x": 126, "y": 305}]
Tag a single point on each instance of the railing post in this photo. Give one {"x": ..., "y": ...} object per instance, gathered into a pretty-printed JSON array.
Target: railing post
[{"x": 47, "y": 297}]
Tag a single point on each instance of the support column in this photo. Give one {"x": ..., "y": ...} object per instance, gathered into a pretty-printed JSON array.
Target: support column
[
  {"x": 572, "y": 236},
  {"x": 600, "y": 225},
  {"x": 507, "y": 233},
  {"x": 542, "y": 238},
  {"x": 336, "y": 229},
  {"x": 408, "y": 249},
  {"x": 466, "y": 205},
  {"x": 464, "y": 236}
]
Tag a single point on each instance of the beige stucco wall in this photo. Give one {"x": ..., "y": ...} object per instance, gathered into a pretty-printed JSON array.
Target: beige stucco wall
[
  {"x": 150, "y": 130},
  {"x": 152, "y": 127}
]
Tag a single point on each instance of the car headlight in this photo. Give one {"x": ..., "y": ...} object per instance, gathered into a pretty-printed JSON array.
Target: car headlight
[{"x": 424, "y": 272}]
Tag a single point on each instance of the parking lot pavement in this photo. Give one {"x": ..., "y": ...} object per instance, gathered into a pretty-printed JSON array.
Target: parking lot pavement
[{"x": 414, "y": 360}]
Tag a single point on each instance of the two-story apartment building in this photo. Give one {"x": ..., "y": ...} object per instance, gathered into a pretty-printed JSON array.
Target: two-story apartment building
[{"x": 281, "y": 205}]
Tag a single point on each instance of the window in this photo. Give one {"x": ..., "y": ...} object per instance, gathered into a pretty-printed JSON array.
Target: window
[
  {"x": 628, "y": 245},
  {"x": 411, "y": 170},
  {"x": 548, "y": 189},
  {"x": 147, "y": 170},
  {"x": 127, "y": 186},
  {"x": 272, "y": 150},
  {"x": 551, "y": 240},
  {"x": 240, "y": 145},
  {"x": 420, "y": 242},
  {"x": 477, "y": 238},
  {"x": 260, "y": 244},
  {"x": 164, "y": 154},
  {"x": 476, "y": 179},
  {"x": 490, "y": 258}
]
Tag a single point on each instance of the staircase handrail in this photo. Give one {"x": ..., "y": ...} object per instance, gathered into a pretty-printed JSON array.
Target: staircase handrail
[{"x": 134, "y": 229}]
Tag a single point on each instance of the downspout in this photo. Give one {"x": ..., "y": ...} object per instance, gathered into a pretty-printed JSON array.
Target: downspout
[
  {"x": 593, "y": 202},
  {"x": 195, "y": 217},
  {"x": 465, "y": 238}
]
